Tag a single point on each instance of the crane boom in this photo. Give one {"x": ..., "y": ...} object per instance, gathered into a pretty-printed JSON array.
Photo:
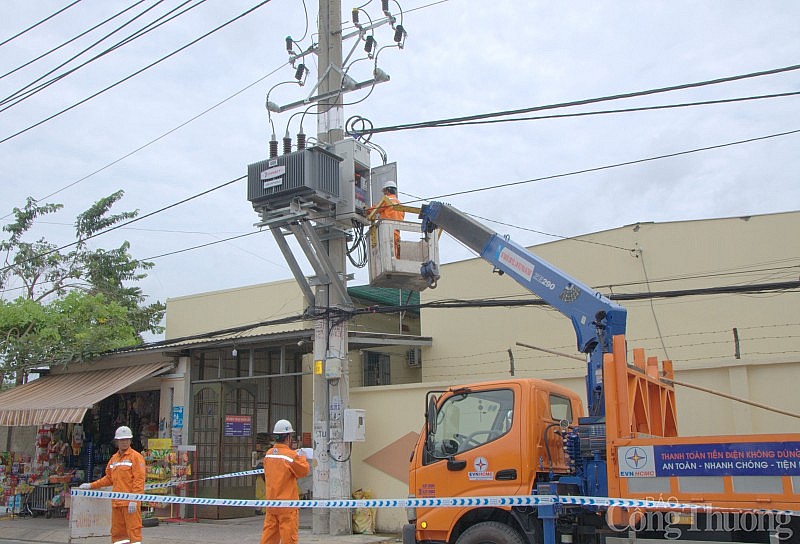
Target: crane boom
[{"x": 595, "y": 318}]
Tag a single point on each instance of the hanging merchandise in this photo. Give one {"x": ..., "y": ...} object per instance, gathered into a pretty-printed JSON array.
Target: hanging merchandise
[{"x": 77, "y": 439}]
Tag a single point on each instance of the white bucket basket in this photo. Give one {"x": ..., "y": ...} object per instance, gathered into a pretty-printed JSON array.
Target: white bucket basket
[{"x": 386, "y": 269}]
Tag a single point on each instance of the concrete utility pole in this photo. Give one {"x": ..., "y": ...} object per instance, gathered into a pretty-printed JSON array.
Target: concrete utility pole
[{"x": 331, "y": 475}]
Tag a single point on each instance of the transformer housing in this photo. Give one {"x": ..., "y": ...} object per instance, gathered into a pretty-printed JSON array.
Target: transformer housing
[{"x": 311, "y": 174}]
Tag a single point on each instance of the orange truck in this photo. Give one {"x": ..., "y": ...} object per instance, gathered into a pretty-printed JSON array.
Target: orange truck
[{"x": 537, "y": 469}]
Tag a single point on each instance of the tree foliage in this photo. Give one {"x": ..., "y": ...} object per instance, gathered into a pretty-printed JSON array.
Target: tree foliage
[{"x": 69, "y": 304}]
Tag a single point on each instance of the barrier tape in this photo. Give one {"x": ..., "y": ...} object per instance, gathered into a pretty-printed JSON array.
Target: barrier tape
[
  {"x": 439, "y": 502},
  {"x": 171, "y": 483}
]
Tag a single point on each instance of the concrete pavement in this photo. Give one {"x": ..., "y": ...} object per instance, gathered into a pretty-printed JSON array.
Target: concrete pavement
[{"x": 239, "y": 531}]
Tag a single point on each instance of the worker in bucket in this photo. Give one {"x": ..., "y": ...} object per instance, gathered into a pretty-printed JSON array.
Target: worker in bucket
[
  {"x": 385, "y": 211},
  {"x": 283, "y": 466},
  {"x": 125, "y": 473}
]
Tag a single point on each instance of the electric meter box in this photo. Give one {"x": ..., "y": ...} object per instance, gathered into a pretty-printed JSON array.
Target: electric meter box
[
  {"x": 333, "y": 368},
  {"x": 311, "y": 174},
  {"x": 355, "y": 425},
  {"x": 354, "y": 181}
]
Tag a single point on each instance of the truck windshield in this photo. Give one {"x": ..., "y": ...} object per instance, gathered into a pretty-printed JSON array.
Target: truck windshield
[{"x": 468, "y": 420}]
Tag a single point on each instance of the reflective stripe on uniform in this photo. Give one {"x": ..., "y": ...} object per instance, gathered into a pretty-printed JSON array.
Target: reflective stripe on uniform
[
  {"x": 277, "y": 456},
  {"x": 123, "y": 463}
]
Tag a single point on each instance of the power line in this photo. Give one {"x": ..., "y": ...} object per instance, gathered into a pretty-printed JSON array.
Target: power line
[
  {"x": 134, "y": 220},
  {"x": 184, "y": 250},
  {"x": 163, "y": 19},
  {"x": 56, "y": 48},
  {"x": 26, "y": 92},
  {"x": 112, "y": 163},
  {"x": 134, "y": 74},
  {"x": 621, "y": 110},
  {"x": 164, "y": 135},
  {"x": 18, "y": 34},
  {"x": 492, "y": 187},
  {"x": 616, "y": 165},
  {"x": 583, "y": 102},
  {"x": 394, "y": 309}
]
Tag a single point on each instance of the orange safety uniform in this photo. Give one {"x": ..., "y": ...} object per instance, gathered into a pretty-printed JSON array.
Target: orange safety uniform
[
  {"x": 283, "y": 466},
  {"x": 125, "y": 473},
  {"x": 385, "y": 211}
]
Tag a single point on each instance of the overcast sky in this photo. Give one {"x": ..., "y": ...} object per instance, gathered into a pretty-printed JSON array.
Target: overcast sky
[{"x": 461, "y": 57}]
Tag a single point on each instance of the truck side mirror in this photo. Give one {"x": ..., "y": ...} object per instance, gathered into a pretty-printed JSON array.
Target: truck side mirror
[
  {"x": 455, "y": 466},
  {"x": 430, "y": 414}
]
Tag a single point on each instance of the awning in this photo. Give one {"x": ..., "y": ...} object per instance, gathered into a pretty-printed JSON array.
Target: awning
[{"x": 64, "y": 398}]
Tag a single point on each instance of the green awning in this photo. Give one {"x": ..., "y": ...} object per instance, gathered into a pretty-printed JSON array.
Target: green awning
[{"x": 385, "y": 296}]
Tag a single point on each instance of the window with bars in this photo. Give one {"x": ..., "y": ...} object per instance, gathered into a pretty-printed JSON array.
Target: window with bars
[{"x": 376, "y": 369}]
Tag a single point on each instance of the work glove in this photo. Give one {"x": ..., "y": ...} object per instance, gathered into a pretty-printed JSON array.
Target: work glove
[
  {"x": 85, "y": 486},
  {"x": 131, "y": 507}
]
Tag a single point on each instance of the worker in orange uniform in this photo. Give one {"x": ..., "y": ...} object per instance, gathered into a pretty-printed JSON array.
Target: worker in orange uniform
[
  {"x": 283, "y": 466},
  {"x": 385, "y": 211},
  {"x": 125, "y": 473}
]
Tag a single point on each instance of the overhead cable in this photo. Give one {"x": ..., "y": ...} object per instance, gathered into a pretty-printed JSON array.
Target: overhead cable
[
  {"x": 616, "y": 165},
  {"x": 620, "y": 110},
  {"x": 130, "y": 221},
  {"x": 18, "y": 34},
  {"x": 27, "y": 92},
  {"x": 82, "y": 34},
  {"x": 583, "y": 102},
  {"x": 164, "y": 135},
  {"x": 134, "y": 74},
  {"x": 499, "y": 186},
  {"x": 330, "y": 312}
]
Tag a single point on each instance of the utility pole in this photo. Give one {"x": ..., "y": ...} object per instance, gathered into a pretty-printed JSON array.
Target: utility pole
[{"x": 331, "y": 474}]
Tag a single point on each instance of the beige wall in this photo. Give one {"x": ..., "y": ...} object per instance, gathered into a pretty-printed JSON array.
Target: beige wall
[
  {"x": 196, "y": 314},
  {"x": 696, "y": 332}
]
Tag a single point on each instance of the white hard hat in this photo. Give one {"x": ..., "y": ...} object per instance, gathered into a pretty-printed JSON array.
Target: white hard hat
[
  {"x": 123, "y": 432},
  {"x": 282, "y": 426},
  {"x": 391, "y": 184}
]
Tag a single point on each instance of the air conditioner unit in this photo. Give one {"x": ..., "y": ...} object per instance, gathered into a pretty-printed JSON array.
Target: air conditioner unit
[{"x": 414, "y": 357}]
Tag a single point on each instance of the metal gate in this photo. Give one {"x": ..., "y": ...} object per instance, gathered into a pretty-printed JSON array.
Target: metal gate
[{"x": 223, "y": 425}]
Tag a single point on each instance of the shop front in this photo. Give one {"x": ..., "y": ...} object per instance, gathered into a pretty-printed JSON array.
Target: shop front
[{"x": 59, "y": 430}]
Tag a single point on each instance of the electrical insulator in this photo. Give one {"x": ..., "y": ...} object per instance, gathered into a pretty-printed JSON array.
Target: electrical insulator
[
  {"x": 301, "y": 141},
  {"x": 370, "y": 44},
  {"x": 398, "y": 33},
  {"x": 385, "y": 5},
  {"x": 298, "y": 74},
  {"x": 273, "y": 147},
  {"x": 355, "y": 16},
  {"x": 289, "y": 44},
  {"x": 287, "y": 145}
]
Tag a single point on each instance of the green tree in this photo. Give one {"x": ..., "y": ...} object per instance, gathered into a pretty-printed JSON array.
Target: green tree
[{"x": 75, "y": 302}]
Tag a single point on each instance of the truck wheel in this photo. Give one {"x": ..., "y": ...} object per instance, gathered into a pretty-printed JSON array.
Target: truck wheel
[{"x": 490, "y": 532}]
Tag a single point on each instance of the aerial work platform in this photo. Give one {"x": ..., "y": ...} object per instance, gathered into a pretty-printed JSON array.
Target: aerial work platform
[{"x": 401, "y": 270}]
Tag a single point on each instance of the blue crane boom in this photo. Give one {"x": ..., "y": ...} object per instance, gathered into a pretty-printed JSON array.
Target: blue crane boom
[{"x": 595, "y": 318}]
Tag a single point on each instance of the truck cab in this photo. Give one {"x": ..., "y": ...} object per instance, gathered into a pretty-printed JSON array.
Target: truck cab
[{"x": 489, "y": 439}]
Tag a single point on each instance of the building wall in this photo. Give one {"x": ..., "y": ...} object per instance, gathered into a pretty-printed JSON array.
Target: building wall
[{"x": 216, "y": 310}]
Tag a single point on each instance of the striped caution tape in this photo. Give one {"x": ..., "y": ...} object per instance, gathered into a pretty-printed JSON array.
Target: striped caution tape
[
  {"x": 171, "y": 483},
  {"x": 438, "y": 502}
]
